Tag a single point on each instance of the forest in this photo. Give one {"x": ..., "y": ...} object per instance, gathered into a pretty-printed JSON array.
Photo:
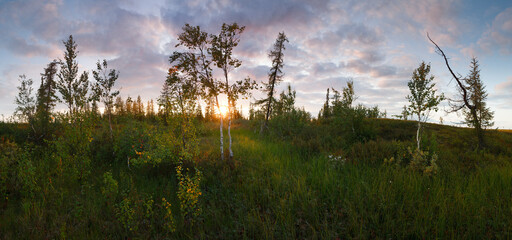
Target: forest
[{"x": 185, "y": 166}]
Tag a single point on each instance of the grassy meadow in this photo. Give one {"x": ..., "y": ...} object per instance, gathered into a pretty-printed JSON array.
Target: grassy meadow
[{"x": 308, "y": 185}]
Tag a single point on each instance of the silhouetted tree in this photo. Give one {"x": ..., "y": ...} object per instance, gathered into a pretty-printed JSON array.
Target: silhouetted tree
[
  {"x": 195, "y": 63},
  {"x": 325, "y": 112},
  {"x": 73, "y": 90},
  {"x": 105, "y": 80},
  {"x": 46, "y": 100},
  {"x": 222, "y": 46},
  {"x": 139, "y": 105},
  {"x": 150, "y": 110},
  {"x": 423, "y": 96},
  {"x": 274, "y": 76},
  {"x": 465, "y": 101},
  {"x": 128, "y": 105},
  {"x": 25, "y": 101},
  {"x": 119, "y": 106},
  {"x": 477, "y": 96}
]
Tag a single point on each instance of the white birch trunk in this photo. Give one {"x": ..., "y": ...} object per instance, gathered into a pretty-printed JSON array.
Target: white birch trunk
[
  {"x": 418, "y": 134},
  {"x": 221, "y": 139},
  {"x": 229, "y": 134}
]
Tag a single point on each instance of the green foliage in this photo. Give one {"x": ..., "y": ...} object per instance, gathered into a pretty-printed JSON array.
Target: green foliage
[
  {"x": 422, "y": 162},
  {"x": 25, "y": 101},
  {"x": 72, "y": 90},
  {"x": 159, "y": 148},
  {"x": 26, "y": 174},
  {"x": 103, "y": 88},
  {"x": 46, "y": 100},
  {"x": 423, "y": 96},
  {"x": 130, "y": 140},
  {"x": 171, "y": 145},
  {"x": 110, "y": 187},
  {"x": 8, "y": 160},
  {"x": 126, "y": 215},
  {"x": 169, "y": 222},
  {"x": 275, "y": 75},
  {"x": 289, "y": 122},
  {"x": 17, "y": 171},
  {"x": 477, "y": 97},
  {"x": 189, "y": 191},
  {"x": 73, "y": 147}
]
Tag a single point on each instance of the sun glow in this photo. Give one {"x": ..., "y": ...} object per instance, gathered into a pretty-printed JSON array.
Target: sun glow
[{"x": 223, "y": 110}]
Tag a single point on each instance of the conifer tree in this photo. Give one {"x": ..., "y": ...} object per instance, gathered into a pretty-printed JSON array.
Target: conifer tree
[
  {"x": 140, "y": 108},
  {"x": 46, "y": 99},
  {"x": 274, "y": 76},
  {"x": 119, "y": 106},
  {"x": 477, "y": 96},
  {"x": 325, "y": 111},
  {"x": 72, "y": 90},
  {"x": 465, "y": 96},
  {"x": 164, "y": 102},
  {"x": 128, "y": 106}
]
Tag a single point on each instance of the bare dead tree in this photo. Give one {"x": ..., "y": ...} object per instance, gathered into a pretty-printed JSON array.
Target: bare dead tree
[{"x": 465, "y": 99}]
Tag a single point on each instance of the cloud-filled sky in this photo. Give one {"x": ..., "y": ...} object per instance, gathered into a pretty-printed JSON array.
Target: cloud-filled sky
[{"x": 375, "y": 43}]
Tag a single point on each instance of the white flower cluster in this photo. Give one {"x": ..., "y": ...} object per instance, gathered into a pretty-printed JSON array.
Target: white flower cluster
[{"x": 336, "y": 161}]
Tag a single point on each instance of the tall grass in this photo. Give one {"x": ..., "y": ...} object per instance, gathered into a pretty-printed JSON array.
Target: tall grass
[
  {"x": 274, "y": 189},
  {"x": 279, "y": 193}
]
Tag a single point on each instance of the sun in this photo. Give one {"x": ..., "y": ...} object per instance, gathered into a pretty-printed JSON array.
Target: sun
[{"x": 223, "y": 110}]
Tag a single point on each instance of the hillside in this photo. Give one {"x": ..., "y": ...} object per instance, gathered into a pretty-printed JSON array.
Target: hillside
[{"x": 284, "y": 188}]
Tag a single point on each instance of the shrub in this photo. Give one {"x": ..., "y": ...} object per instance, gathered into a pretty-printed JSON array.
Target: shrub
[
  {"x": 26, "y": 174},
  {"x": 125, "y": 213},
  {"x": 415, "y": 160},
  {"x": 189, "y": 192},
  {"x": 110, "y": 187},
  {"x": 73, "y": 147},
  {"x": 132, "y": 139},
  {"x": 169, "y": 223},
  {"x": 8, "y": 160},
  {"x": 421, "y": 161}
]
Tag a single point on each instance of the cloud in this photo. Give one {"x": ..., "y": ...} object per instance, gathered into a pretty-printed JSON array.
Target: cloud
[
  {"x": 439, "y": 17},
  {"x": 499, "y": 34},
  {"x": 375, "y": 43}
]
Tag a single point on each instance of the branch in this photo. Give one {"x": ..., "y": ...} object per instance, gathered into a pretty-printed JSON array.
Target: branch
[{"x": 464, "y": 91}]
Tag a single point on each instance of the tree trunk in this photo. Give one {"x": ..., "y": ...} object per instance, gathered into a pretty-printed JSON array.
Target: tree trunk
[
  {"x": 221, "y": 136},
  {"x": 269, "y": 104},
  {"x": 478, "y": 129},
  {"x": 229, "y": 134},
  {"x": 110, "y": 125},
  {"x": 418, "y": 139}
]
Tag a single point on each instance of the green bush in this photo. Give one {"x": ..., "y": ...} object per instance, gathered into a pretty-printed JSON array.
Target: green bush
[
  {"x": 189, "y": 191},
  {"x": 133, "y": 138},
  {"x": 8, "y": 161},
  {"x": 110, "y": 187}
]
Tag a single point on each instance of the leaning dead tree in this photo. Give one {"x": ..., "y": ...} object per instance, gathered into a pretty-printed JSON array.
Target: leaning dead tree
[{"x": 465, "y": 98}]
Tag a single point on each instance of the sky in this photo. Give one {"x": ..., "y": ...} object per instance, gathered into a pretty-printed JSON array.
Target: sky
[{"x": 375, "y": 43}]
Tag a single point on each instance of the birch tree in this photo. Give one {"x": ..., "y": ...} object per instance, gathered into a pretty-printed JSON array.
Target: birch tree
[
  {"x": 195, "y": 63},
  {"x": 222, "y": 46},
  {"x": 103, "y": 88},
  {"x": 423, "y": 96},
  {"x": 25, "y": 101}
]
